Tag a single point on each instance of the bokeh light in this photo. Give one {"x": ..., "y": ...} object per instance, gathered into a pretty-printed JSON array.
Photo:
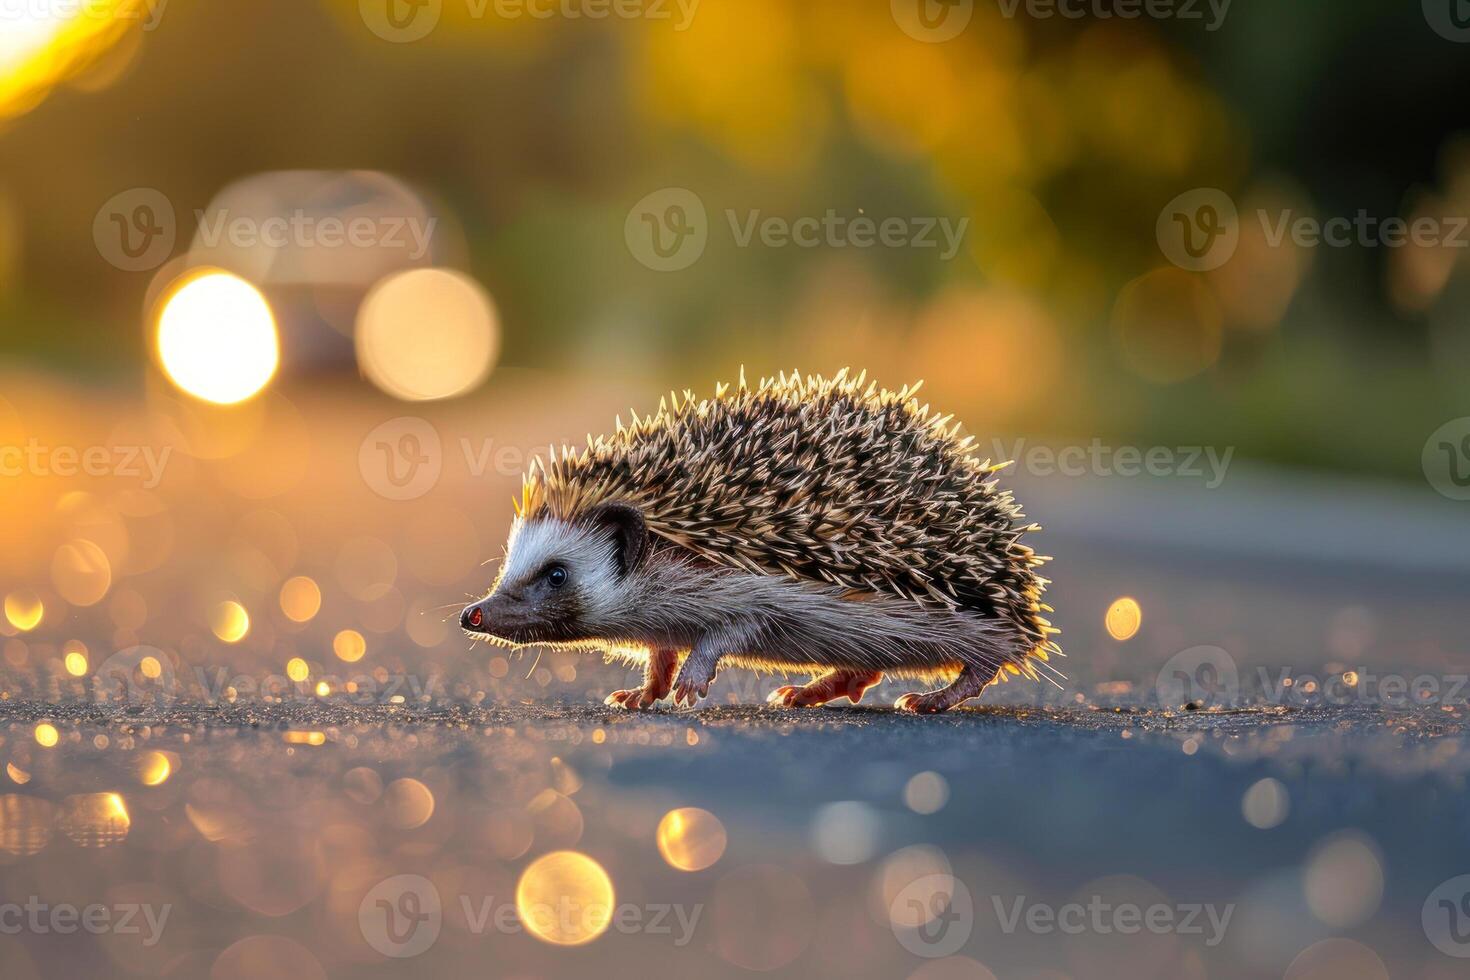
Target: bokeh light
[
  {"x": 409, "y": 803},
  {"x": 1343, "y": 881},
  {"x": 95, "y": 819},
  {"x": 1168, "y": 326},
  {"x": 297, "y": 669},
  {"x": 81, "y": 572},
  {"x": 1266, "y": 804},
  {"x": 301, "y": 599},
  {"x": 565, "y": 898},
  {"x": 426, "y": 334},
  {"x": 46, "y": 735},
  {"x": 24, "y": 610},
  {"x": 691, "y": 839},
  {"x": 154, "y": 768},
  {"x": 926, "y": 792},
  {"x": 846, "y": 832},
  {"x": 76, "y": 663},
  {"x": 229, "y": 621},
  {"x": 1123, "y": 618},
  {"x": 349, "y": 646},
  {"x": 43, "y": 43},
  {"x": 26, "y": 824},
  {"x": 217, "y": 337}
]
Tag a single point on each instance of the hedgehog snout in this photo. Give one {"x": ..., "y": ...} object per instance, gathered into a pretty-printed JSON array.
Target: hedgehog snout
[{"x": 500, "y": 614}]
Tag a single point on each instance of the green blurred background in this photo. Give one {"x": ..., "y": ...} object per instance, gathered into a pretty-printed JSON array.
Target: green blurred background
[{"x": 1061, "y": 140}]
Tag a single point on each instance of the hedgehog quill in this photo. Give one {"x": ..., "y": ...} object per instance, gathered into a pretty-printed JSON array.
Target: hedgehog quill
[{"x": 805, "y": 524}]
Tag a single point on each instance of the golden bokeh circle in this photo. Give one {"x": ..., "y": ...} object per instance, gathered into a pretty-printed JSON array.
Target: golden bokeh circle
[
  {"x": 216, "y": 337},
  {"x": 349, "y": 646},
  {"x": 691, "y": 839},
  {"x": 229, "y": 621},
  {"x": 565, "y": 898},
  {"x": 425, "y": 334},
  {"x": 301, "y": 599},
  {"x": 1123, "y": 618}
]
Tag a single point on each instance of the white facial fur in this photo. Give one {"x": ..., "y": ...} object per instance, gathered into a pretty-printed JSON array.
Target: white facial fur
[{"x": 587, "y": 554}]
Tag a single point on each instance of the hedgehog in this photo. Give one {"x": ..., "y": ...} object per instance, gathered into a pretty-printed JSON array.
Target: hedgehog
[{"x": 810, "y": 525}]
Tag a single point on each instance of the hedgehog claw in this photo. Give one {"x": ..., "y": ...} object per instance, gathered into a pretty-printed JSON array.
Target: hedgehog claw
[
  {"x": 688, "y": 694},
  {"x": 921, "y": 704},
  {"x": 788, "y": 696}
]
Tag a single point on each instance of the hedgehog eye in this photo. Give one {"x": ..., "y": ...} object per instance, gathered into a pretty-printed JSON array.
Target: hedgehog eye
[{"x": 557, "y": 576}]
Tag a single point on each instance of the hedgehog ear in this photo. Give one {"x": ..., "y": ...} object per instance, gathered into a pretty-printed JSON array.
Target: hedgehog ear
[{"x": 629, "y": 531}]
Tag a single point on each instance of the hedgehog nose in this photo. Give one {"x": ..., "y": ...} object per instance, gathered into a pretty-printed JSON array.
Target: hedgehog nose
[{"x": 472, "y": 618}]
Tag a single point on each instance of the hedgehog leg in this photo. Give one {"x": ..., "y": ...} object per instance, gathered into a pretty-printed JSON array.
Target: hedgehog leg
[
  {"x": 697, "y": 672},
  {"x": 850, "y": 684},
  {"x": 969, "y": 684},
  {"x": 658, "y": 677}
]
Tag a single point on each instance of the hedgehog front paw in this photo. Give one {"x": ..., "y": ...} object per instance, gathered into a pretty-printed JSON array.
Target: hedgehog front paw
[
  {"x": 637, "y": 699},
  {"x": 850, "y": 684},
  {"x": 789, "y": 696}
]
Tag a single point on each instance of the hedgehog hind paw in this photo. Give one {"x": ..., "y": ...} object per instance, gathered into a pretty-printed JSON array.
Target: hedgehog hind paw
[
  {"x": 968, "y": 684},
  {"x": 926, "y": 704}
]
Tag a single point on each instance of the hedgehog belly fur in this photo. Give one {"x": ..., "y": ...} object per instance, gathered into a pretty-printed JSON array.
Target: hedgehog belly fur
[{"x": 806, "y": 626}]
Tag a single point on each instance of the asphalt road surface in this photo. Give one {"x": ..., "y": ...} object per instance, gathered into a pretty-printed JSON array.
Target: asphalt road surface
[{"x": 1267, "y": 781}]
